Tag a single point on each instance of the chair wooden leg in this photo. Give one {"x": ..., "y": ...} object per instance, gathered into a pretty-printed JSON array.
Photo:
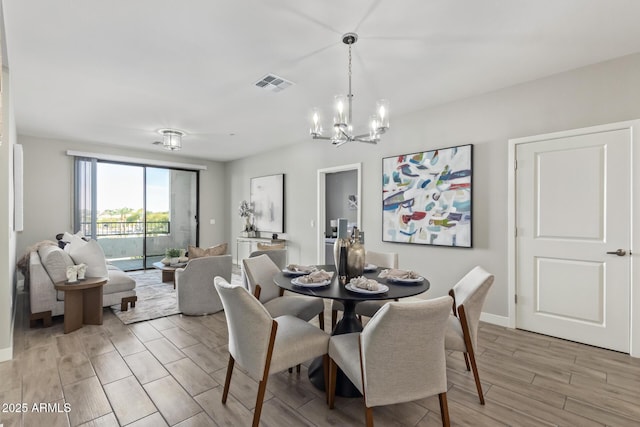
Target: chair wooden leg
[
  {"x": 290, "y": 370},
  {"x": 476, "y": 376},
  {"x": 334, "y": 319},
  {"x": 444, "y": 409},
  {"x": 331, "y": 388},
  {"x": 368, "y": 413},
  {"x": 466, "y": 361},
  {"x": 470, "y": 351},
  {"x": 325, "y": 369},
  {"x": 262, "y": 388},
  {"x": 321, "y": 320},
  {"x": 227, "y": 380}
]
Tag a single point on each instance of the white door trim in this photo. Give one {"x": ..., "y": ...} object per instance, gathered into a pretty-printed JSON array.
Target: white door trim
[
  {"x": 634, "y": 301},
  {"x": 322, "y": 175}
]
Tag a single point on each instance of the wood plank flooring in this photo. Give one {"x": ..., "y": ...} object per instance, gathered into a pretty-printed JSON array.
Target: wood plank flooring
[{"x": 169, "y": 372}]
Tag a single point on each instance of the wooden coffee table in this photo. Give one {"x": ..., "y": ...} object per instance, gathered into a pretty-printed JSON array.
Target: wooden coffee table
[
  {"x": 82, "y": 302},
  {"x": 168, "y": 271}
]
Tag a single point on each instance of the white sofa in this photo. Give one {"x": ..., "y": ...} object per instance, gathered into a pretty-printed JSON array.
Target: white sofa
[{"x": 48, "y": 265}]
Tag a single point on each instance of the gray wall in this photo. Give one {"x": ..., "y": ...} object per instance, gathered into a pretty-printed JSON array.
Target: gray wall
[
  {"x": 48, "y": 186},
  {"x": 598, "y": 94}
]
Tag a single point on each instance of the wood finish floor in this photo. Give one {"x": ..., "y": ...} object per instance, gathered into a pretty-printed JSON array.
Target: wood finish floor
[{"x": 169, "y": 371}]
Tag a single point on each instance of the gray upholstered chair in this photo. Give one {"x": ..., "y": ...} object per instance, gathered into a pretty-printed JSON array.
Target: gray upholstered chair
[
  {"x": 194, "y": 284},
  {"x": 263, "y": 345},
  {"x": 260, "y": 271},
  {"x": 367, "y": 308},
  {"x": 278, "y": 256},
  {"x": 401, "y": 355},
  {"x": 462, "y": 332}
]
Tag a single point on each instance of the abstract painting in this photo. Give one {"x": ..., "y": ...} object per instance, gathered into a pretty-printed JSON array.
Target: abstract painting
[
  {"x": 267, "y": 200},
  {"x": 426, "y": 197}
]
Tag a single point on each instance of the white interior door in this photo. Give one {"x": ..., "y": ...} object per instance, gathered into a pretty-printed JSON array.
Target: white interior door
[{"x": 573, "y": 208}]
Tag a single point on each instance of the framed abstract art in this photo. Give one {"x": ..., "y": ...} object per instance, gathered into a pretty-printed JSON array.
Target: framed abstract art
[
  {"x": 267, "y": 200},
  {"x": 426, "y": 197}
]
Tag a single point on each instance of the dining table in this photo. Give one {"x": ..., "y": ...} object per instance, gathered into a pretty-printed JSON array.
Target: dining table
[{"x": 349, "y": 323}]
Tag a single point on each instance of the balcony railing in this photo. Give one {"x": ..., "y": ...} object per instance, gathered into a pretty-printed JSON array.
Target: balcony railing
[{"x": 124, "y": 228}]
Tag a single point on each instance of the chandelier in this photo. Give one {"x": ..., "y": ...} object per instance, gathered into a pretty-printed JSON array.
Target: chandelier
[
  {"x": 342, "y": 118},
  {"x": 171, "y": 139}
]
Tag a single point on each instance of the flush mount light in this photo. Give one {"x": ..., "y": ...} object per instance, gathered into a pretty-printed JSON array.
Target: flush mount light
[{"x": 171, "y": 139}]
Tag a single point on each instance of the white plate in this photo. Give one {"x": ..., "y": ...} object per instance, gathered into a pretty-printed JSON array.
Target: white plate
[
  {"x": 293, "y": 273},
  {"x": 297, "y": 282},
  {"x": 370, "y": 267},
  {"x": 382, "y": 290},
  {"x": 401, "y": 281}
]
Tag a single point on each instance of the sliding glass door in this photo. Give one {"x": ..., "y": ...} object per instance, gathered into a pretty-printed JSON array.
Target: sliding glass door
[
  {"x": 172, "y": 211},
  {"x": 136, "y": 212}
]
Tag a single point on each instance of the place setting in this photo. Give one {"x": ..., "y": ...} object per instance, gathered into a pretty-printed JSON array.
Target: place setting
[
  {"x": 299, "y": 270},
  {"x": 363, "y": 285},
  {"x": 401, "y": 277},
  {"x": 315, "y": 279}
]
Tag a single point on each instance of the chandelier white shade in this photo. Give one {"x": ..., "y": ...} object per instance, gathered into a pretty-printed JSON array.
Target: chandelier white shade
[
  {"x": 171, "y": 139},
  {"x": 343, "y": 114}
]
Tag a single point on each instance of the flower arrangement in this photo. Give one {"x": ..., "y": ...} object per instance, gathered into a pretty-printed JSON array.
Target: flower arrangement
[
  {"x": 246, "y": 211},
  {"x": 172, "y": 253}
]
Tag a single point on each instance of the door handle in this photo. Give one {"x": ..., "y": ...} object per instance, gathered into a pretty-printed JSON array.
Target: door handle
[{"x": 619, "y": 252}]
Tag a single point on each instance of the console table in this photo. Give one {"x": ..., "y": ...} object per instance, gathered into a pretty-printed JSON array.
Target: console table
[
  {"x": 82, "y": 302},
  {"x": 255, "y": 240}
]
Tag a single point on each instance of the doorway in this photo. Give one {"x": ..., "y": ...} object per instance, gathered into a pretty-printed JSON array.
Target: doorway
[
  {"x": 571, "y": 260},
  {"x": 339, "y": 193}
]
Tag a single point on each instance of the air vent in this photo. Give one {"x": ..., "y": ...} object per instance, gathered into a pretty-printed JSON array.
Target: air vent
[{"x": 273, "y": 83}]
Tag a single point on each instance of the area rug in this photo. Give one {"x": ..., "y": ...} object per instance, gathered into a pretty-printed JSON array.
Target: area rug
[{"x": 155, "y": 298}]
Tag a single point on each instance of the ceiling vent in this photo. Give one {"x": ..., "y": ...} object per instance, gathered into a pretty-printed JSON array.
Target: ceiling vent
[{"x": 273, "y": 83}]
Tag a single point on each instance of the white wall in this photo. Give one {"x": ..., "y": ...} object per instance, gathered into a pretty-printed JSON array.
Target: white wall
[
  {"x": 601, "y": 93},
  {"x": 7, "y": 235},
  {"x": 48, "y": 189}
]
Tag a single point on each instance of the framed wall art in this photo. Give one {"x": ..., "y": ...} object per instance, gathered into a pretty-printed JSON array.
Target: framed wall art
[
  {"x": 267, "y": 200},
  {"x": 426, "y": 197}
]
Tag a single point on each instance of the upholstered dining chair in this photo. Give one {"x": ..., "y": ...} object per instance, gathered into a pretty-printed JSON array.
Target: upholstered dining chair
[
  {"x": 263, "y": 345},
  {"x": 194, "y": 284},
  {"x": 398, "y": 357},
  {"x": 462, "y": 332},
  {"x": 260, "y": 271},
  {"x": 367, "y": 308},
  {"x": 278, "y": 256}
]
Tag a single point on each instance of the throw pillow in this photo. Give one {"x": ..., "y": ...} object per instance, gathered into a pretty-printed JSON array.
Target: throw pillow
[
  {"x": 270, "y": 246},
  {"x": 55, "y": 261},
  {"x": 196, "y": 252},
  {"x": 91, "y": 254}
]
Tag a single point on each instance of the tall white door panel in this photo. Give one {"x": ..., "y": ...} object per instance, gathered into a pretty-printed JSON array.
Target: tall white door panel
[{"x": 573, "y": 219}]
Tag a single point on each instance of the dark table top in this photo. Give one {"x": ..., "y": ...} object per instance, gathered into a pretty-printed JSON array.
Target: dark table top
[{"x": 335, "y": 291}]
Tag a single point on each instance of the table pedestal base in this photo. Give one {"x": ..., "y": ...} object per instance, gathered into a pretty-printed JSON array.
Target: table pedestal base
[{"x": 348, "y": 324}]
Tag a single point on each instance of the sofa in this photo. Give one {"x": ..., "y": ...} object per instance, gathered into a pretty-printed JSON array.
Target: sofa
[{"x": 48, "y": 265}]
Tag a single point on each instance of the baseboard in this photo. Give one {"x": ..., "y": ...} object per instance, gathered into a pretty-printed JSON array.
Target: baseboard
[
  {"x": 494, "y": 319},
  {"x": 6, "y": 353}
]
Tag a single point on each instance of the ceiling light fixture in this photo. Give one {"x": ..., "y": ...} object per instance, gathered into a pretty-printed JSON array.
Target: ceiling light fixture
[
  {"x": 342, "y": 119},
  {"x": 171, "y": 139}
]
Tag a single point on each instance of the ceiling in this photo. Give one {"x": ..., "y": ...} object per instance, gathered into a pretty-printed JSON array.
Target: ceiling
[{"x": 114, "y": 72}]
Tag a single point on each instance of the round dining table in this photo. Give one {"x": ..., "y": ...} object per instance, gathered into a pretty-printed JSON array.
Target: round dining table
[{"x": 349, "y": 322}]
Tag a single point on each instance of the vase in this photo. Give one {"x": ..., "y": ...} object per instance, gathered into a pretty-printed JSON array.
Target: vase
[{"x": 355, "y": 257}]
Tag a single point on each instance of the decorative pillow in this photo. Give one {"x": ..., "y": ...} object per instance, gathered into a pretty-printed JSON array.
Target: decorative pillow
[
  {"x": 55, "y": 261},
  {"x": 270, "y": 246},
  {"x": 68, "y": 237},
  {"x": 196, "y": 252},
  {"x": 89, "y": 253}
]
